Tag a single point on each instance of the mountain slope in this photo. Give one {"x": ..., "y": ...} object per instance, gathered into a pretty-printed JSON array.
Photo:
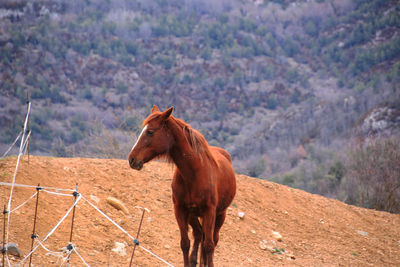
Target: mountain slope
[
  {"x": 256, "y": 77},
  {"x": 315, "y": 230}
]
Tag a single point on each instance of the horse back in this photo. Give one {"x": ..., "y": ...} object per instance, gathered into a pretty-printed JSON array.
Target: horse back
[{"x": 217, "y": 150}]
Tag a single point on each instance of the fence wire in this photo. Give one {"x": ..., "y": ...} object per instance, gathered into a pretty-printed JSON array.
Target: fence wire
[
  {"x": 40, "y": 243},
  {"x": 12, "y": 145},
  {"x": 55, "y": 191}
]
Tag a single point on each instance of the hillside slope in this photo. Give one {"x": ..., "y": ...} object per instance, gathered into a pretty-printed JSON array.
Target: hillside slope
[
  {"x": 258, "y": 78},
  {"x": 316, "y": 231}
]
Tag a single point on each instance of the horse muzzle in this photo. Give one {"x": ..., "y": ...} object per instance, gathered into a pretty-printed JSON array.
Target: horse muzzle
[{"x": 137, "y": 165}]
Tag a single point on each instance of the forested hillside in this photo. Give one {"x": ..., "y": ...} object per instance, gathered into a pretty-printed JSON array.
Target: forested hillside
[{"x": 290, "y": 88}]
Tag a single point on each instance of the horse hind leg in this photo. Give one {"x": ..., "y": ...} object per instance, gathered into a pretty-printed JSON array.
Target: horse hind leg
[{"x": 198, "y": 236}]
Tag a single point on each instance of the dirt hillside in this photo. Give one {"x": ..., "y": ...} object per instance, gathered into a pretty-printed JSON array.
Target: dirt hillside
[{"x": 315, "y": 231}]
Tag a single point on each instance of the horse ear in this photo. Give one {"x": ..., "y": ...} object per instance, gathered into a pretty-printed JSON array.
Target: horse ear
[
  {"x": 154, "y": 109},
  {"x": 167, "y": 113}
]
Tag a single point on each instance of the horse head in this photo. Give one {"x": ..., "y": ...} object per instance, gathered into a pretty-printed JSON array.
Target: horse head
[{"x": 154, "y": 140}]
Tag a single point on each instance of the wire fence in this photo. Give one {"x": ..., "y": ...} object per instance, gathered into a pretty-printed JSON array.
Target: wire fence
[
  {"x": 12, "y": 145},
  {"x": 63, "y": 257}
]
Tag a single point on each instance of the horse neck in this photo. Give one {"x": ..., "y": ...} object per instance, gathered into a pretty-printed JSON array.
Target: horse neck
[{"x": 182, "y": 153}]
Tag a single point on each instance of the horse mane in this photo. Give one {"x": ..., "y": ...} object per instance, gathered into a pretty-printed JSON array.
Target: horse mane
[{"x": 196, "y": 140}]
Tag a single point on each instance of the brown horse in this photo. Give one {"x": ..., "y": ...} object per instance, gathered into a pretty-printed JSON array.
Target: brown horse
[{"x": 203, "y": 185}]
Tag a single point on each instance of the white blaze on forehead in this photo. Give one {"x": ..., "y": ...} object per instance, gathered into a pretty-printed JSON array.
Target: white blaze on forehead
[{"x": 137, "y": 141}]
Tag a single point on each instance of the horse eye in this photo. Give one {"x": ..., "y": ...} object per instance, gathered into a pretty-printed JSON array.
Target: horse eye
[{"x": 150, "y": 132}]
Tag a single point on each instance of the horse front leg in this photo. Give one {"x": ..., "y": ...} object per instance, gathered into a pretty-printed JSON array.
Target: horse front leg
[
  {"x": 208, "y": 243},
  {"x": 197, "y": 235},
  {"x": 219, "y": 221},
  {"x": 181, "y": 216}
]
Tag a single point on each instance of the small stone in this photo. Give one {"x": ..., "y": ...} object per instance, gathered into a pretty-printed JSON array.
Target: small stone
[
  {"x": 290, "y": 256},
  {"x": 271, "y": 249},
  {"x": 12, "y": 249},
  {"x": 321, "y": 221},
  {"x": 277, "y": 236},
  {"x": 120, "y": 249},
  {"x": 253, "y": 231},
  {"x": 362, "y": 233},
  {"x": 263, "y": 244},
  {"x": 167, "y": 246},
  {"x": 241, "y": 214},
  {"x": 116, "y": 203}
]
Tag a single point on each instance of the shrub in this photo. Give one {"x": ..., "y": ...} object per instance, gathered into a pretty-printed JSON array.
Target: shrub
[
  {"x": 58, "y": 148},
  {"x": 86, "y": 93},
  {"x": 45, "y": 91},
  {"x": 290, "y": 48},
  {"x": 311, "y": 28},
  {"x": 292, "y": 75},
  {"x": 374, "y": 175},
  {"x": 131, "y": 48},
  {"x": 5, "y": 56},
  {"x": 268, "y": 72},
  {"x": 258, "y": 168},
  {"x": 206, "y": 53},
  {"x": 337, "y": 170},
  {"x": 104, "y": 49},
  {"x": 272, "y": 103},
  {"x": 289, "y": 180},
  {"x": 122, "y": 87},
  {"x": 108, "y": 28},
  {"x": 75, "y": 136},
  {"x": 394, "y": 74}
]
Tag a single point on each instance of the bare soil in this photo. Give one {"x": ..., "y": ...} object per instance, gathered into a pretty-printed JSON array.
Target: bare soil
[{"x": 315, "y": 231}]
